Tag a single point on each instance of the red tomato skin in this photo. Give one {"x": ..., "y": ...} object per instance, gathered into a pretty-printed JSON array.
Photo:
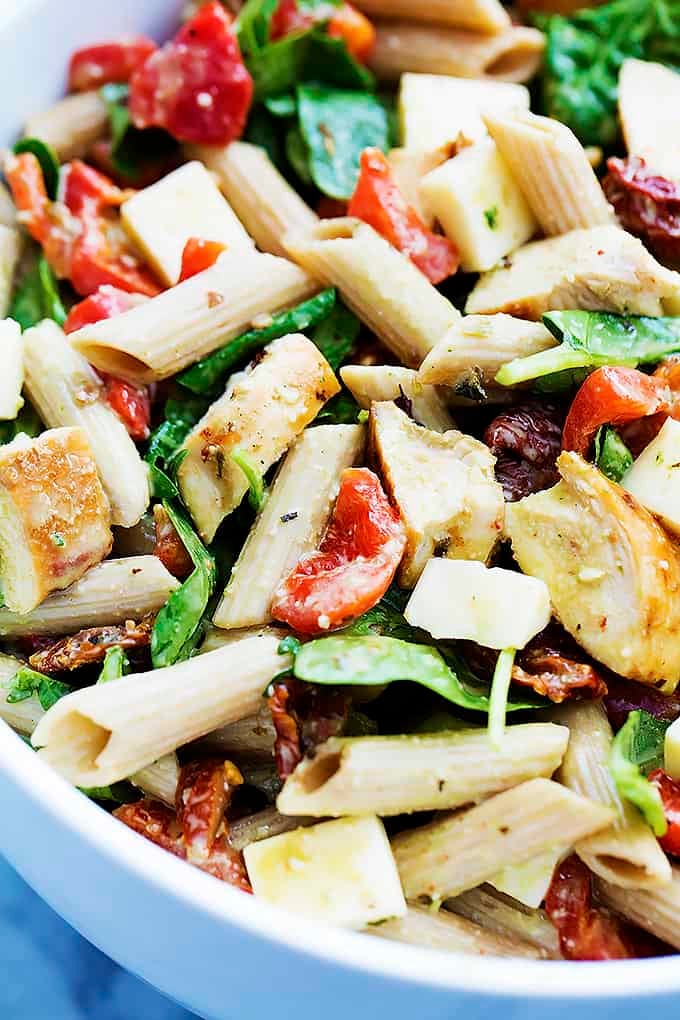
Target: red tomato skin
[
  {"x": 355, "y": 563},
  {"x": 197, "y": 86},
  {"x": 585, "y": 933},
  {"x": 103, "y": 304},
  {"x": 378, "y": 201},
  {"x": 669, "y": 791},
  {"x": 199, "y": 255},
  {"x": 287, "y": 19},
  {"x": 131, "y": 403},
  {"x": 612, "y": 395},
  {"x": 355, "y": 29},
  {"x": 107, "y": 62}
]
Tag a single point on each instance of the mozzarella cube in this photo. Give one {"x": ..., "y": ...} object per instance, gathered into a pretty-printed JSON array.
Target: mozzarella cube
[
  {"x": 434, "y": 109},
  {"x": 186, "y": 203},
  {"x": 464, "y": 600},
  {"x": 479, "y": 205},
  {"x": 671, "y": 750},
  {"x": 341, "y": 872},
  {"x": 654, "y": 478},
  {"x": 529, "y": 882}
]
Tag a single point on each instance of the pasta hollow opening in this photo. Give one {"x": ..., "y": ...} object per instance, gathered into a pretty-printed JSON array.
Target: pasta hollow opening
[
  {"x": 84, "y": 739},
  {"x": 118, "y": 363},
  {"x": 511, "y": 64},
  {"x": 318, "y": 773},
  {"x": 622, "y": 869}
]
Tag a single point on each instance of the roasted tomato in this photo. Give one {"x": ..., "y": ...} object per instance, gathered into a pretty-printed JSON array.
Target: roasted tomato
[
  {"x": 647, "y": 205},
  {"x": 199, "y": 255},
  {"x": 94, "y": 66},
  {"x": 91, "y": 645},
  {"x": 354, "y": 565},
  {"x": 525, "y": 440},
  {"x": 378, "y": 201},
  {"x": 169, "y": 547},
  {"x": 343, "y": 22},
  {"x": 106, "y": 302},
  {"x": 586, "y": 933},
  {"x": 669, "y": 791},
  {"x": 196, "y": 87},
  {"x": 304, "y": 716}
]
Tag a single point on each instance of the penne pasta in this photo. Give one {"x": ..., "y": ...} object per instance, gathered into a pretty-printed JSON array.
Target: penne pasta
[
  {"x": 291, "y": 523},
  {"x": 165, "y": 334},
  {"x": 8, "y": 212},
  {"x": 261, "y": 197},
  {"x": 102, "y": 734},
  {"x": 551, "y": 167},
  {"x": 72, "y": 125},
  {"x": 12, "y": 378},
  {"x": 484, "y": 16},
  {"x": 654, "y": 910},
  {"x": 11, "y": 245},
  {"x": 22, "y": 716},
  {"x": 442, "y": 930},
  {"x": 513, "y": 55},
  {"x": 251, "y": 738},
  {"x": 259, "y": 416},
  {"x": 460, "y": 852},
  {"x": 399, "y": 775},
  {"x": 378, "y": 283},
  {"x": 186, "y": 203},
  {"x": 112, "y": 592},
  {"x": 627, "y": 853},
  {"x": 503, "y": 915},
  {"x": 262, "y": 825},
  {"x": 159, "y": 780},
  {"x": 649, "y": 97},
  {"x": 368, "y": 383},
  {"x": 66, "y": 391}
]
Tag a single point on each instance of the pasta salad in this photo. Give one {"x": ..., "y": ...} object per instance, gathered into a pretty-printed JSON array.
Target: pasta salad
[{"x": 339, "y": 449}]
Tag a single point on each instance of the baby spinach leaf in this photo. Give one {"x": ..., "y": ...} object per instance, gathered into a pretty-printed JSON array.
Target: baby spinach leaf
[
  {"x": 337, "y": 125},
  {"x": 281, "y": 106},
  {"x": 612, "y": 456},
  {"x": 208, "y": 372},
  {"x": 133, "y": 150},
  {"x": 297, "y": 154},
  {"x": 639, "y": 743},
  {"x": 116, "y": 664},
  {"x": 117, "y": 793},
  {"x": 257, "y": 492},
  {"x": 27, "y": 682},
  {"x": 252, "y": 24},
  {"x": 47, "y": 157},
  {"x": 336, "y": 335},
  {"x": 26, "y": 422},
  {"x": 163, "y": 452},
  {"x": 342, "y": 409},
  {"x": 329, "y": 61},
  {"x": 37, "y": 297}
]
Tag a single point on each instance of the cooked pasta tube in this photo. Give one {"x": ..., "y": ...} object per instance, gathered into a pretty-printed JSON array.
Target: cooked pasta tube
[
  {"x": 460, "y": 852},
  {"x": 104, "y": 733},
  {"x": 601, "y": 269},
  {"x": 259, "y": 416},
  {"x": 112, "y": 592},
  {"x": 71, "y": 125},
  {"x": 397, "y": 775},
  {"x": 445, "y": 931},
  {"x": 161, "y": 336},
  {"x": 627, "y": 853},
  {"x": 368, "y": 383},
  {"x": 66, "y": 391},
  {"x": 22, "y": 716},
  {"x": 551, "y": 167},
  {"x": 378, "y": 283},
  {"x": 261, "y": 197},
  {"x": 475, "y": 348},
  {"x": 484, "y": 16},
  {"x": 262, "y": 825},
  {"x": 251, "y": 738},
  {"x": 654, "y": 910},
  {"x": 10, "y": 252},
  {"x": 505, "y": 916},
  {"x": 216, "y": 638},
  {"x": 291, "y": 523},
  {"x": 12, "y": 378},
  {"x": 512, "y": 55},
  {"x": 159, "y": 780},
  {"x": 649, "y": 97}
]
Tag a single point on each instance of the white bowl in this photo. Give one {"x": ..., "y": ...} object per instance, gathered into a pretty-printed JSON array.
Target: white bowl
[{"x": 215, "y": 950}]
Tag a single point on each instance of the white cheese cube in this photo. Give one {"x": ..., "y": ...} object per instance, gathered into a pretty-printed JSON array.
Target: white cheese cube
[
  {"x": 186, "y": 203},
  {"x": 529, "y": 882},
  {"x": 434, "y": 109},
  {"x": 654, "y": 478},
  {"x": 671, "y": 750},
  {"x": 475, "y": 198},
  {"x": 341, "y": 872},
  {"x": 464, "y": 600}
]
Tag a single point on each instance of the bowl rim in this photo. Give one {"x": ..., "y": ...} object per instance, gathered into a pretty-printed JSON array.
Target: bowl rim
[{"x": 429, "y": 968}]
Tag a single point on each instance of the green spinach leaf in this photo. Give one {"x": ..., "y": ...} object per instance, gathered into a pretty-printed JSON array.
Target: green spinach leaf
[
  {"x": 37, "y": 297},
  {"x": 336, "y": 335},
  {"x": 133, "y": 151},
  {"x": 639, "y": 744},
  {"x": 163, "y": 453},
  {"x": 27, "y": 682},
  {"x": 26, "y": 422},
  {"x": 257, "y": 492},
  {"x": 612, "y": 456},
  {"x": 47, "y": 157},
  {"x": 116, "y": 664}
]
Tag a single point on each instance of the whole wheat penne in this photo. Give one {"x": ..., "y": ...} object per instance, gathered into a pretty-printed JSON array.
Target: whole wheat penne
[
  {"x": 160, "y": 337},
  {"x": 251, "y": 738},
  {"x": 627, "y": 853},
  {"x": 102, "y": 734},
  {"x": 378, "y": 283},
  {"x": 484, "y": 16},
  {"x": 259, "y": 416},
  {"x": 216, "y": 638},
  {"x": 512, "y": 55},
  {"x": 12, "y": 378},
  {"x": 11, "y": 244},
  {"x": 8, "y": 210},
  {"x": 506, "y": 916},
  {"x": 397, "y": 775},
  {"x": 368, "y": 383},
  {"x": 475, "y": 348},
  {"x": 649, "y": 99},
  {"x": 551, "y": 167},
  {"x": 655, "y": 910},
  {"x": 409, "y": 166},
  {"x": 460, "y": 852},
  {"x": 442, "y": 930},
  {"x": 22, "y": 716},
  {"x": 111, "y": 592},
  {"x": 262, "y": 825},
  {"x": 262, "y": 197},
  {"x": 66, "y": 391},
  {"x": 291, "y": 522},
  {"x": 71, "y": 125},
  {"x": 159, "y": 780}
]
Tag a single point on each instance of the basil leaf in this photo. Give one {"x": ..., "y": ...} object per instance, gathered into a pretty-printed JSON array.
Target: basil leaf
[
  {"x": 337, "y": 334},
  {"x": 163, "y": 452},
  {"x": 27, "y": 682},
  {"x": 337, "y": 126},
  {"x": 133, "y": 150},
  {"x": 37, "y": 297},
  {"x": 47, "y": 157},
  {"x": 634, "y": 745},
  {"x": 342, "y": 409},
  {"x": 116, "y": 664},
  {"x": 179, "y": 624},
  {"x": 257, "y": 493},
  {"x": 208, "y": 372},
  {"x": 612, "y": 456}
]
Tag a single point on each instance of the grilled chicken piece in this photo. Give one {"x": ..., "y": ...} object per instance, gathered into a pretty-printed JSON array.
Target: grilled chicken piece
[
  {"x": 444, "y": 486},
  {"x": 600, "y": 269},
  {"x": 612, "y": 572}
]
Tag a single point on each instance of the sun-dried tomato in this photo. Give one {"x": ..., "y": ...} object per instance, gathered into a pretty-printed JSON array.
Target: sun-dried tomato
[
  {"x": 669, "y": 791},
  {"x": 304, "y": 716},
  {"x": 551, "y": 674},
  {"x": 169, "y": 547},
  {"x": 155, "y": 822},
  {"x": 91, "y": 645},
  {"x": 526, "y": 443},
  {"x": 647, "y": 204},
  {"x": 585, "y": 932}
]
